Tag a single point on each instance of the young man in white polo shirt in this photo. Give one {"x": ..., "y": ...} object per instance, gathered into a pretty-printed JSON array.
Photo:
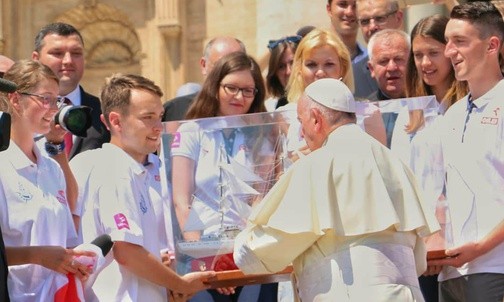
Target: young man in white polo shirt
[
  {"x": 116, "y": 197},
  {"x": 473, "y": 151}
]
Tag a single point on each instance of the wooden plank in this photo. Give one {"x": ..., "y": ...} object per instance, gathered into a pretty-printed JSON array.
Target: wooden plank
[{"x": 238, "y": 278}]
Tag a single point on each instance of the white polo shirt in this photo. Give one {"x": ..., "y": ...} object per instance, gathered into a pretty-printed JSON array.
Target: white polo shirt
[
  {"x": 118, "y": 202},
  {"x": 475, "y": 176},
  {"x": 33, "y": 211},
  {"x": 207, "y": 150},
  {"x": 160, "y": 194}
]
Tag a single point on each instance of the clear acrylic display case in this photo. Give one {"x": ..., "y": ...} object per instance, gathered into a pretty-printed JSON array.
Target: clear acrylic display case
[
  {"x": 419, "y": 148},
  {"x": 235, "y": 160}
]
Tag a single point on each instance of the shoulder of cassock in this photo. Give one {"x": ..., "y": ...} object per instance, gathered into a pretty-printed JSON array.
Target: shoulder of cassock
[{"x": 353, "y": 185}]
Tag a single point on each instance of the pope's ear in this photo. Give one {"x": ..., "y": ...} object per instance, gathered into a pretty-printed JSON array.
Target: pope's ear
[{"x": 317, "y": 117}]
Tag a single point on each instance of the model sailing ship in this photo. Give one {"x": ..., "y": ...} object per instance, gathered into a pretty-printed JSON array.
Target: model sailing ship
[{"x": 240, "y": 185}]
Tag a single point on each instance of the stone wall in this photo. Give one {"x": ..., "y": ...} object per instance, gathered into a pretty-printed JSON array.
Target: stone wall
[{"x": 161, "y": 39}]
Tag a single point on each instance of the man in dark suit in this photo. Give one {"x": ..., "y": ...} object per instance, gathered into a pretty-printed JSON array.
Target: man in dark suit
[
  {"x": 60, "y": 46},
  {"x": 176, "y": 108}
]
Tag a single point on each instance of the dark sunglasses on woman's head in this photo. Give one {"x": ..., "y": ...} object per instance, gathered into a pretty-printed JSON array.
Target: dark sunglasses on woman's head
[{"x": 274, "y": 43}]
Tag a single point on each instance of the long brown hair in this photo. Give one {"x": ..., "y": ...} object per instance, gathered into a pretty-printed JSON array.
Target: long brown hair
[
  {"x": 273, "y": 84},
  {"x": 430, "y": 27},
  {"x": 207, "y": 102}
]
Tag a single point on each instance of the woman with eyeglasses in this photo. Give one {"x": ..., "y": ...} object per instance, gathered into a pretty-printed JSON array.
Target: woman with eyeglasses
[
  {"x": 234, "y": 87},
  {"x": 35, "y": 213},
  {"x": 279, "y": 70}
]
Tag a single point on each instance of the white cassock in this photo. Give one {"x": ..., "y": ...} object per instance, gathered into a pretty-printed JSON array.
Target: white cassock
[{"x": 349, "y": 217}]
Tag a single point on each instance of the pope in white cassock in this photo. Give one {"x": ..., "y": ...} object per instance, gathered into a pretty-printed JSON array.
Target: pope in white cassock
[{"x": 349, "y": 216}]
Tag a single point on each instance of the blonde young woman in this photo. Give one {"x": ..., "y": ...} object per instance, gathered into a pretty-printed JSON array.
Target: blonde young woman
[{"x": 321, "y": 54}]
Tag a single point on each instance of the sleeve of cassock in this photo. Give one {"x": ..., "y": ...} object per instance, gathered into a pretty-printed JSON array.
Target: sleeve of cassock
[{"x": 261, "y": 248}]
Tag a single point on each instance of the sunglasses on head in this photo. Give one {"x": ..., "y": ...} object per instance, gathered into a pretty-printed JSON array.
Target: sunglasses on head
[{"x": 274, "y": 43}]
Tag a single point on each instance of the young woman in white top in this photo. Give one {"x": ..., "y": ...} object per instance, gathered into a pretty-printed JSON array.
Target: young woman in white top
[
  {"x": 35, "y": 212},
  {"x": 417, "y": 134},
  {"x": 234, "y": 87}
]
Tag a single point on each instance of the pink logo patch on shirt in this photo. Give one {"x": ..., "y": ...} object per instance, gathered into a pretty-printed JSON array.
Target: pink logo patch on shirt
[
  {"x": 121, "y": 221},
  {"x": 176, "y": 140},
  {"x": 490, "y": 120},
  {"x": 61, "y": 197},
  {"x": 157, "y": 178}
]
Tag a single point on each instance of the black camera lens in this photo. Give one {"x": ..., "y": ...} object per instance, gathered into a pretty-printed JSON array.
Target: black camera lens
[
  {"x": 5, "y": 125},
  {"x": 76, "y": 119}
]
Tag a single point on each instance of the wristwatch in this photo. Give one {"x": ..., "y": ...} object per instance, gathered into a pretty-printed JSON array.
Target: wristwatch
[{"x": 54, "y": 149}]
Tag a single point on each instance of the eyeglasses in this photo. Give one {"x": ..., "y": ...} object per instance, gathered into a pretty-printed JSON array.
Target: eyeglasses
[
  {"x": 380, "y": 20},
  {"x": 274, "y": 43},
  {"x": 233, "y": 90},
  {"x": 47, "y": 100}
]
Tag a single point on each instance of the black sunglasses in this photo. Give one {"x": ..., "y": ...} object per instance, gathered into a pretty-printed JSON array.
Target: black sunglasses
[{"x": 293, "y": 39}]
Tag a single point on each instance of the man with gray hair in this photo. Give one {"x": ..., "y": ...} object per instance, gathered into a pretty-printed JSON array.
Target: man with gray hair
[
  {"x": 215, "y": 49},
  {"x": 388, "y": 57},
  {"x": 354, "y": 211}
]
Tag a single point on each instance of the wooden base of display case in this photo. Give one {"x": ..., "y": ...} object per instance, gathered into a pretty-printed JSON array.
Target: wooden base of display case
[
  {"x": 238, "y": 278},
  {"x": 436, "y": 254}
]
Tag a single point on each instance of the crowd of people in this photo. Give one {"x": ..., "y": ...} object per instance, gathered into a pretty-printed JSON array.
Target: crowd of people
[{"x": 370, "y": 190}]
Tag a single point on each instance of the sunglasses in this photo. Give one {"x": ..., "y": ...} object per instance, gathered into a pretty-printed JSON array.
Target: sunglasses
[{"x": 293, "y": 39}]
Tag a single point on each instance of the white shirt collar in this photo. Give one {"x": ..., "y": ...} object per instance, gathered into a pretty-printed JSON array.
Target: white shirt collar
[{"x": 75, "y": 96}]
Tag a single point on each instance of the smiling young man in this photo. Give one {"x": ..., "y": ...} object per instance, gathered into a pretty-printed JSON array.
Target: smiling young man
[
  {"x": 116, "y": 196},
  {"x": 473, "y": 151},
  {"x": 344, "y": 23}
]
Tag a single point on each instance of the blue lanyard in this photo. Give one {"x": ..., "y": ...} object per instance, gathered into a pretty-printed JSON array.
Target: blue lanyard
[{"x": 470, "y": 107}]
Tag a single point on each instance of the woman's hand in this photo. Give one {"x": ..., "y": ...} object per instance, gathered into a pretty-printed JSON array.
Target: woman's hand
[{"x": 63, "y": 261}]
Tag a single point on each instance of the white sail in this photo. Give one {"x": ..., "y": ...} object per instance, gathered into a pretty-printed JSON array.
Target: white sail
[
  {"x": 203, "y": 217},
  {"x": 241, "y": 171}
]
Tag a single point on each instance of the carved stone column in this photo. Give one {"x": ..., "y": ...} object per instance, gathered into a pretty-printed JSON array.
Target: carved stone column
[
  {"x": 169, "y": 26},
  {"x": 1, "y": 28}
]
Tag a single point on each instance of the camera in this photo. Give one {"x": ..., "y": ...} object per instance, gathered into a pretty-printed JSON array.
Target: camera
[{"x": 75, "y": 119}]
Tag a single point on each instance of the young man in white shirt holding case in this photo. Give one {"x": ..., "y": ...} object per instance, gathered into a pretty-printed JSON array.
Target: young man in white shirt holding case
[
  {"x": 115, "y": 196},
  {"x": 473, "y": 152}
]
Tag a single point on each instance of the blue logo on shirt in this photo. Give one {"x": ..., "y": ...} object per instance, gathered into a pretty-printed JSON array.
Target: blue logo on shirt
[{"x": 23, "y": 194}]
